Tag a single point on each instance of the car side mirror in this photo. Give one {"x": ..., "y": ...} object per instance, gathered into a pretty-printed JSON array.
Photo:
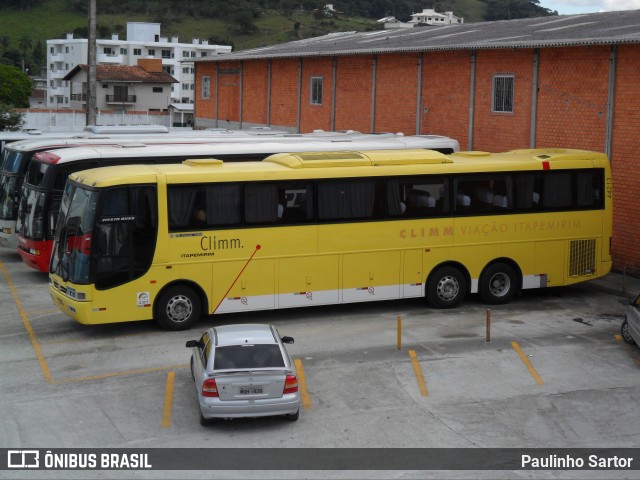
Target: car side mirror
[
  {"x": 192, "y": 343},
  {"x": 287, "y": 339}
]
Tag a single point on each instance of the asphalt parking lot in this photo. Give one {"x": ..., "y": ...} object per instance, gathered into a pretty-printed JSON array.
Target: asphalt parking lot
[{"x": 555, "y": 373}]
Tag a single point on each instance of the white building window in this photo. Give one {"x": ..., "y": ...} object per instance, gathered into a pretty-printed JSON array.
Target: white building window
[
  {"x": 185, "y": 54},
  {"x": 137, "y": 51},
  {"x": 316, "y": 90},
  {"x": 502, "y": 93},
  {"x": 206, "y": 88},
  {"x": 151, "y": 52},
  {"x": 123, "y": 51}
]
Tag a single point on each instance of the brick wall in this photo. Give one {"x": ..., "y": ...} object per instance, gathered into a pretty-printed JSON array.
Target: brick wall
[
  {"x": 316, "y": 116},
  {"x": 254, "y": 92},
  {"x": 572, "y": 106},
  {"x": 396, "y": 93},
  {"x": 205, "y": 108},
  {"x": 353, "y": 93},
  {"x": 572, "y": 97},
  {"x": 446, "y": 77},
  {"x": 493, "y": 131},
  {"x": 284, "y": 92},
  {"x": 624, "y": 160}
]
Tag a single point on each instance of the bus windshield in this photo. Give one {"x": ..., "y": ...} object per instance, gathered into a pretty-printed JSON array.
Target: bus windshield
[
  {"x": 70, "y": 255},
  {"x": 8, "y": 197},
  {"x": 12, "y": 161},
  {"x": 123, "y": 222},
  {"x": 31, "y": 213}
]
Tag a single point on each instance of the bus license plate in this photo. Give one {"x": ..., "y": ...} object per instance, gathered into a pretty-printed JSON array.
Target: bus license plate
[{"x": 251, "y": 390}]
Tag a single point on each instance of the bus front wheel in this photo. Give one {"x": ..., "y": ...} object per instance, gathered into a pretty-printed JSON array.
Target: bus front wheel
[
  {"x": 178, "y": 308},
  {"x": 498, "y": 284},
  {"x": 447, "y": 287}
]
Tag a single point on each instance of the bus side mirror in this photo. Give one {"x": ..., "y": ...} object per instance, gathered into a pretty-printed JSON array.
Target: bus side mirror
[{"x": 193, "y": 343}]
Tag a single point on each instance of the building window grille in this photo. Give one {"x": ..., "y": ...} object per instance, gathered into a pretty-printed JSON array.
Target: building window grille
[
  {"x": 206, "y": 88},
  {"x": 316, "y": 90},
  {"x": 503, "y": 86}
]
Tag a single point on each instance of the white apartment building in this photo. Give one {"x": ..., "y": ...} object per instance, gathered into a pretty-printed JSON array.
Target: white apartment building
[{"x": 143, "y": 42}]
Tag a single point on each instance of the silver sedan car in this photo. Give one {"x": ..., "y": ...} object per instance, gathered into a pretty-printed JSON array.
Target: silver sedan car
[
  {"x": 244, "y": 371},
  {"x": 630, "y": 329}
]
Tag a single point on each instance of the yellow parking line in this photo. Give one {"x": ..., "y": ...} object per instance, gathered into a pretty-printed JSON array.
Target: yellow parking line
[
  {"x": 618, "y": 337},
  {"x": 118, "y": 374},
  {"x": 418, "y": 372},
  {"x": 302, "y": 383},
  {"x": 168, "y": 400},
  {"x": 528, "y": 364},
  {"x": 27, "y": 325}
]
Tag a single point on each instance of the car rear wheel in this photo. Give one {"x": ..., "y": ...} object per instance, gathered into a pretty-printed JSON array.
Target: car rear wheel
[
  {"x": 293, "y": 416},
  {"x": 178, "y": 308},
  {"x": 446, "y": 287},
  {"x": 205, "y": 421},
  {"x": 626, "y": 333},
  {"x": 498, "y": 284}
]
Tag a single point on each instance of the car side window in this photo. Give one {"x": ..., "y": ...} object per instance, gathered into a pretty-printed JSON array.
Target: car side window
[{"x": 205, "y": 350}]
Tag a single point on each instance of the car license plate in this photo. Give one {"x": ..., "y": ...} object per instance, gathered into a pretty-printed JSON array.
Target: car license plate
[{"x": 251, "y": 390}]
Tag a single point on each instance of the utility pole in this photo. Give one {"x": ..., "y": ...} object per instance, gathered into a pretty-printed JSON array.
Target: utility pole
[{"x": 91, "y": 81}]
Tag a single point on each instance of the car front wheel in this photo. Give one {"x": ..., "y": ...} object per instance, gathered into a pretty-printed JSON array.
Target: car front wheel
[{"x": 626, "y": 333}]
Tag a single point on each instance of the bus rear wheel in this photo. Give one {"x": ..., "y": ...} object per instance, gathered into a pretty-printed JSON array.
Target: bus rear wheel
[
  {"x": 447, "y": 287},
  {"x": 178, "y": 308},
  {"x": 498, "y": 284}
]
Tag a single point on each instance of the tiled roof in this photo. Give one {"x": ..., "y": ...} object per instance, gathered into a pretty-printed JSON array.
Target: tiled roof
[
  {"x": 123, "y": 73},
  {"x": 607, "y": 28}
]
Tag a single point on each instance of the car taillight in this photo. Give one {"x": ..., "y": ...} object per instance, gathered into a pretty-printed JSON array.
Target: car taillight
[
  {"x": 209, "y": 388},
  {"x": 290, "y": 384}
]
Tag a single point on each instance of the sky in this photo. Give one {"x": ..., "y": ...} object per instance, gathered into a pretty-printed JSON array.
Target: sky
[{"x": 571, "y": 7}]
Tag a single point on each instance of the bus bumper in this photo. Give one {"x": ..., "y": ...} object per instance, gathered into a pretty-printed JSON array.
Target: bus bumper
[
  {"x": 8, "y": 238},
  {"x": 79, "y": 311},
  {"x": 35, "y": 254}
]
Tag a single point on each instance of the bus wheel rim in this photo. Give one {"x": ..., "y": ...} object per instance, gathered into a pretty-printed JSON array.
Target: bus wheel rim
[
  {"x": 499, "y": 284},
  {"x": 448, "y": 288},
  {"x": 179, "y": 308}
]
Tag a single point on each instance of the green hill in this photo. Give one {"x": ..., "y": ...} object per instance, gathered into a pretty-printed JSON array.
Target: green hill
[{"x": 25, "y": 25}]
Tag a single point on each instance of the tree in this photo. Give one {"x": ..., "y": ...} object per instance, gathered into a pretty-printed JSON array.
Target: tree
[
  {"x": 5, "y": 41},
  {"x": 15, "y": 87},
  {"x": 10, "y": 120},
  {"x": 24, "y": 44},
  {"x": 39, "y": 56}
]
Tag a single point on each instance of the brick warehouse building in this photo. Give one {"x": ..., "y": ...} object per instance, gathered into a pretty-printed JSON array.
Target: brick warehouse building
[{"x": 495, "y": 86}]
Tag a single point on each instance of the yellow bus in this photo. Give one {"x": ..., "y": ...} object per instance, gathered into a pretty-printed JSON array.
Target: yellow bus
[{"x": 172, "y": 242}]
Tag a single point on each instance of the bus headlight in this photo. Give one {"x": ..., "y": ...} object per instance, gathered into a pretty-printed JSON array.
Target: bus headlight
[{"x": 71, "y": 293}]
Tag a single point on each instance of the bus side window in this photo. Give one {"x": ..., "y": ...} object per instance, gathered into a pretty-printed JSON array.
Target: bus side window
[{"x": 261, "y": 203}]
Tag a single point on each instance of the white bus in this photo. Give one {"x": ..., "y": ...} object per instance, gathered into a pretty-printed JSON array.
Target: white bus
[
  {"x": 48, "y": 171},
  {"x": 15, "y": 159}
]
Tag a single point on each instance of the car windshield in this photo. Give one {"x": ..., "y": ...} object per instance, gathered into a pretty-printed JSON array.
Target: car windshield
[{"x": 247, "y": 356}]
